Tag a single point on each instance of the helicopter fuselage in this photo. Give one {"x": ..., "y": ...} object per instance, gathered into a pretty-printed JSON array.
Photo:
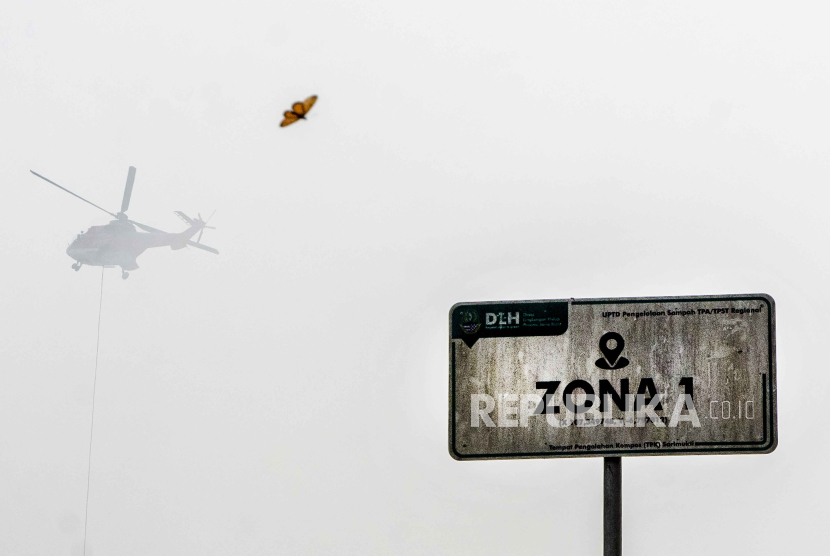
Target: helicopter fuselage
[{"x": 119, "y": 244}]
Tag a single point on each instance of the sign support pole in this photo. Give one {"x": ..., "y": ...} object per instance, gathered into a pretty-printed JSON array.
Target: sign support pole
[{"x": 612, "y": 507}]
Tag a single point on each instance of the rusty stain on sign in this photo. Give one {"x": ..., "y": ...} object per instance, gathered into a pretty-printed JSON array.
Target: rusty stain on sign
[{"x": 612, "y": 377}]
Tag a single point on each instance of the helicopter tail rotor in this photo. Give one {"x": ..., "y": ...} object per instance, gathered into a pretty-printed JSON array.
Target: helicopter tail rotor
[
  {"x": 201, "y": 226},
  {"x": 197, "y": 223},
  {"x": 205, "y": 226}
]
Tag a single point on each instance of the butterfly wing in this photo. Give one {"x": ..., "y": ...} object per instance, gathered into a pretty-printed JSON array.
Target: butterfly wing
[
  {"x": 309, "y": 102},
  {"x": 289, "y": 118},
  {"x": 299, "y": 109}
]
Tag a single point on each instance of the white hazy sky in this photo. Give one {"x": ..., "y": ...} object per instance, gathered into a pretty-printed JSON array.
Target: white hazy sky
[{"x": 290, "y": 395}]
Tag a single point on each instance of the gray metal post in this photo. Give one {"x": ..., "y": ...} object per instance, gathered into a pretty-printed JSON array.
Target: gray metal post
[{"x": 612, "y": 507}]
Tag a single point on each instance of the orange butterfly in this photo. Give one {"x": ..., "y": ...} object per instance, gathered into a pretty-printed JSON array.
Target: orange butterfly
[{"x": 298, "y": 111}]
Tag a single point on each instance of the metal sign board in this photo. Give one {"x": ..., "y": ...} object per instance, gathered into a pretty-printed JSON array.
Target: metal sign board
[{"x": 612, "y": 377}]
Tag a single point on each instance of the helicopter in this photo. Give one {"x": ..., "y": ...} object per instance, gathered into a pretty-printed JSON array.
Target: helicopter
[{"x": 119, "y": 243}]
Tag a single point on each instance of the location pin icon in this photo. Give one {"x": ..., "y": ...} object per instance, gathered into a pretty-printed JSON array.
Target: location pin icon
[{"x": 611, "y": 355}]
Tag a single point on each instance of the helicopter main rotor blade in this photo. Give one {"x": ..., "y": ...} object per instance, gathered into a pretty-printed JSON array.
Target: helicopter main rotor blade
[
  {"x": 203, "y": 247},
  {"x": 73, "y": 194},
  {"x": 128, "y": 189},
  {"x": 145, "y": 227}
]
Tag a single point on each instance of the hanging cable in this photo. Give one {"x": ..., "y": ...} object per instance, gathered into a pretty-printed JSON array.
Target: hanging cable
[{"x": 92, "y": 420}]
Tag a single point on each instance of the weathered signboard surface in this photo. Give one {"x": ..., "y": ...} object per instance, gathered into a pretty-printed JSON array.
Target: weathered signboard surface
[{"x": 612, "y": 377}]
